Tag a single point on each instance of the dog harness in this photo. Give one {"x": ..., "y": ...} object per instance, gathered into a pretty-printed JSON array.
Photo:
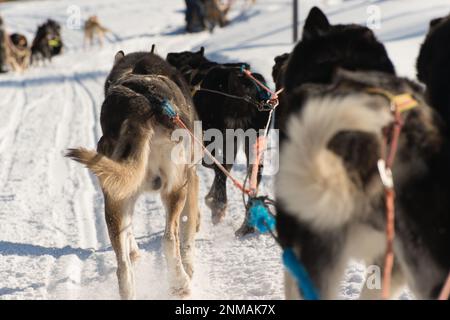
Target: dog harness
[
  {"x": 55, "y": 42},
  {"x": 398, "y": 105}
]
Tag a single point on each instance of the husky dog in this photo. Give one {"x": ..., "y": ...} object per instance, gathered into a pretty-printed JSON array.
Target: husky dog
[
  {"x": 14, "y": 51},
  {"x": 47, "y": 42},
  {"x": 135, "y": 155},
  {"x": 330, "y": 198},
  {"x": 220, "y": 112},
  {"x": 20, "y": 51},
  {"x": 93, "y": 28},
  {"x": 57, "y": 44},
  {"x": 216, "y": 13},
  {"x": 433, "y": 66}
]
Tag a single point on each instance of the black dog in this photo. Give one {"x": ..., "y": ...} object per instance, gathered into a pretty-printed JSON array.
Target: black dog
[
  {"x": 47, "y": 42},
  {"x": 433, "y": 66},
  {"x": 221, "y": 112}
]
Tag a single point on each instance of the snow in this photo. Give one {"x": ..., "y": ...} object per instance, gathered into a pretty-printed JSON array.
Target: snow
[{"x": 53, "y": 238}]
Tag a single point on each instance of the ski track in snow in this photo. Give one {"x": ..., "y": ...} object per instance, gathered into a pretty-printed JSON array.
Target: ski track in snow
[{"x": 53, "y": 239}]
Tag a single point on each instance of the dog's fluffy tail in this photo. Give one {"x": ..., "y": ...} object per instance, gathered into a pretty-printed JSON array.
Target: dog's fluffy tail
[
  {"x": 313, "y": 183},
  {"x": 118, "y": 179}
]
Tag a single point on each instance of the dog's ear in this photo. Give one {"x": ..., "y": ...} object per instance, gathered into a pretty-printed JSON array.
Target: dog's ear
[
  {"x": 119, "y": 55},
  {"x": 153, "y": 48},
  {"x": 281, "y": 58},
  {"x": 435, "y": 22},
  {"x": 316, "y": 24},
  {"x": 201, "y": 51},
  {"x": 369, "y": 35}
]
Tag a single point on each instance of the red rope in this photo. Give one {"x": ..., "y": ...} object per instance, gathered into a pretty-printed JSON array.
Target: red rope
[
  {"x": 262, "y": 85},
  {"x": 390, "y": 234},
  {"x": 259, "y": 146},
  {"x": 239, "y": 185},
  {"x": 390, "y": 202}
]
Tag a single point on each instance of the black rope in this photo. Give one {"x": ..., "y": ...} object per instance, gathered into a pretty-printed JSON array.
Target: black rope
[{"x": 244, "y": 98}]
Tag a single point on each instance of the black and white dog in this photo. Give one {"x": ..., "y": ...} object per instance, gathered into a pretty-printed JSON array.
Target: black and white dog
[
  {"x": 222, "y": 112},
  {"x": 330, "y": 199}
]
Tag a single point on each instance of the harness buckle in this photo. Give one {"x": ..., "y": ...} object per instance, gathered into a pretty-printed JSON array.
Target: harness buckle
[
  {"x": 385, "y": 174},
  {"x": 268, "y": 105}
]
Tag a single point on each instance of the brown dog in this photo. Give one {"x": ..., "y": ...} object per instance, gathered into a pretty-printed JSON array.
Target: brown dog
[
  {"x": 93, "y": 28},
  {"x": 136, "y": 155}
]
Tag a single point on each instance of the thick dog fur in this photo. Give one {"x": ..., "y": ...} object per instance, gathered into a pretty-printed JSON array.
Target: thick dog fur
[
  {"x": 433, "y": 66},
  {"x": 322, "y": 50},
  {"x": 41, "y": 49},
  {"x": 220, "y": 112},
  {"x": 330, "y": 197},
  {"x": 135, "y": 155},
  {"x": 216, "y": 14},
  {"x": 14, "y": 51},
  {"x": 145, "y": 63},
  {"x": 318, "y": 178}
]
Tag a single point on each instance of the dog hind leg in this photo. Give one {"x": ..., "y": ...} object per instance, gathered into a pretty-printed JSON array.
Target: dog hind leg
[
  {"x": 174, "y": 203},
  {"x": 216, "y": 199},
  {"x": 190, "y": 219},
  {"x": 118, "y": 219}
]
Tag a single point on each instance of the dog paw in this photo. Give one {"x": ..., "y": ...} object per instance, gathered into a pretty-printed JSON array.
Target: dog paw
[
  {"x": 244, "y": 230},
  {"x": 181, "y": 289},
  {"x": 218, "y": 211},
  {"x": 218, "y": 216},
  {"x": 209, "y": 200},
  {"x": 181, "y": 293}
]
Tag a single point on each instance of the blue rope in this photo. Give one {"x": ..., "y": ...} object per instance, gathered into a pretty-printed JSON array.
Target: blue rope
[
  {"x": 260, "y": 218},
  {"x": 298, "y": 271}
]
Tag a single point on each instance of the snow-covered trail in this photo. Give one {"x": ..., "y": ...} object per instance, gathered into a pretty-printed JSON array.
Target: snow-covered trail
[{"x": 53, "y": 238}]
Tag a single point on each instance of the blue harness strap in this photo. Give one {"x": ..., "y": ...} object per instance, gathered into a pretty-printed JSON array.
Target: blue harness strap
[
  {"x": 260, "y": 217},
  {"x": 298, "y": 271},
  {"x": 167, "y": 109}
]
